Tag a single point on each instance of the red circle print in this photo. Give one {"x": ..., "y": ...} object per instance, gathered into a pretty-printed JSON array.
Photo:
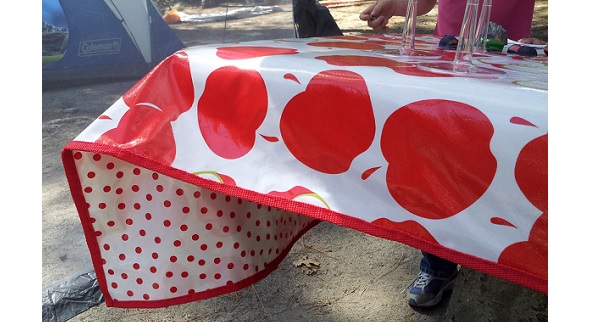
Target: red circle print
[
  {"x": 531, "y": 173},
  {"x": 439, "y": 157},
  {"x": 159, "y": 98},
  {"x": 169, "y": 87},
  {"x": 330, "y": 123},
  {"x": 141, "y": 129},
  {"x": 228, "y": 118}
]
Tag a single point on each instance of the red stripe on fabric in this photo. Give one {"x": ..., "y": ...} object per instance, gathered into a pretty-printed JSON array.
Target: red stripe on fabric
[{"x": 84, "y": 215}]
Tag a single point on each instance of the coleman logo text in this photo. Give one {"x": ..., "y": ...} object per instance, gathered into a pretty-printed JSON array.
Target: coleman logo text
[{"x": 99, "y": 47}]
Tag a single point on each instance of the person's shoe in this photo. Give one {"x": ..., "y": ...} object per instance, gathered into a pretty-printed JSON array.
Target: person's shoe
[{"x": 427, "y": 290}]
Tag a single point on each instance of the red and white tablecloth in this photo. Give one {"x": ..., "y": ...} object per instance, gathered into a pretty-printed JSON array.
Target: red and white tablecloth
[{"x": 200, "y": 178}]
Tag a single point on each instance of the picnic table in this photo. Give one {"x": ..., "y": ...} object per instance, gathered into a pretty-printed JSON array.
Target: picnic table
[{"x": 201, "y": 177}]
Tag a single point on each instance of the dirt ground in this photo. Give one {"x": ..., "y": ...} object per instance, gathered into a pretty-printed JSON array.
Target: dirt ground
[{"x": 360, "y": 277}]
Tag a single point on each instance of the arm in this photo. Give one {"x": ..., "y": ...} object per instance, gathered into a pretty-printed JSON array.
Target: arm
[{"x": 378, "y": 14}]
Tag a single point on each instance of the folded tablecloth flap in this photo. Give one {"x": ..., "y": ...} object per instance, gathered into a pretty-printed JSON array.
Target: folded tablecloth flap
[{"x": 200, "y": 178}]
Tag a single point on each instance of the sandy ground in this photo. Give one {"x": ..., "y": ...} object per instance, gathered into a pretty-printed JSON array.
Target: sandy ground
[{"x": 360, "y": 278}]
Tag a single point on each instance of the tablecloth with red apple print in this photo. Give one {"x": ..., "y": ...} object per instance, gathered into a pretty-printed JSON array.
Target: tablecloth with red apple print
[{"x": 200, "y": 178}]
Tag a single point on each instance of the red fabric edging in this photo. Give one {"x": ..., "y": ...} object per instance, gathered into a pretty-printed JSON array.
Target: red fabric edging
[{"x": 508, "y": 273}]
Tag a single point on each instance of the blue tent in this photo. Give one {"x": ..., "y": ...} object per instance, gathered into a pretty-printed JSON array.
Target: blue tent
[{"x": 102, "y": 39}]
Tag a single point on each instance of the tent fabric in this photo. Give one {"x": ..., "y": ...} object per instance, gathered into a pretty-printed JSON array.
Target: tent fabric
[{"x": 110, "y": 39}]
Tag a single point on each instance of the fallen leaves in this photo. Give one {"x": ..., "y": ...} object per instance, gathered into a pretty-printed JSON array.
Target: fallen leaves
[{"x": 308, "y": 265}]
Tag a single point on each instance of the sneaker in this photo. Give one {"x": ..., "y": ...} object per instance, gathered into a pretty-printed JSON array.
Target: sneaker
[{"x": 427, "y": 290}]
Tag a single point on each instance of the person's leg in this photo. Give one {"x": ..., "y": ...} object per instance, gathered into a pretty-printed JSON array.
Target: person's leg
[
  {"x": 436, "y": 276},
  {"x": 437, "y": 266}
]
